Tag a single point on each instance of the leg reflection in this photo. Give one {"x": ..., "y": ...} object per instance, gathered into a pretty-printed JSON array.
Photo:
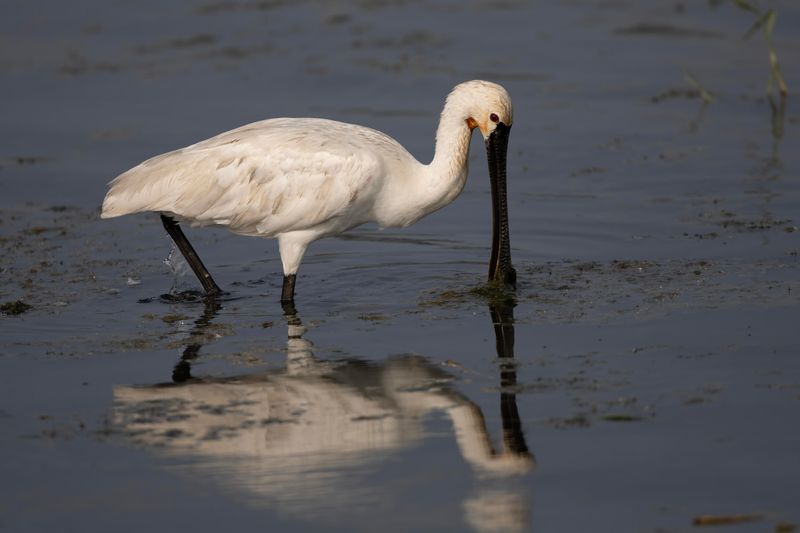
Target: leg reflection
[{"x": 197, "y": 339}]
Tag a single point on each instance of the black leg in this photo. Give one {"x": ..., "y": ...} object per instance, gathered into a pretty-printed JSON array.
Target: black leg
[
  {"x": 190, "y": 255},
  {"x": 287, "y": 295}
]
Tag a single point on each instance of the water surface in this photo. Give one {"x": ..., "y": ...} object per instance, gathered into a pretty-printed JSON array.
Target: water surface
[{"x": 646, "y": 374}]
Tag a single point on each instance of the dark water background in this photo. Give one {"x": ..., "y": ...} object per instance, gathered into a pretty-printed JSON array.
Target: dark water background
[{"x": 654, "y": 375}]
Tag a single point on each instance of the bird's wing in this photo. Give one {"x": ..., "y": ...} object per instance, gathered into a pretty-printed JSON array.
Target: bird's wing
[{"x": 263, "y": 178}]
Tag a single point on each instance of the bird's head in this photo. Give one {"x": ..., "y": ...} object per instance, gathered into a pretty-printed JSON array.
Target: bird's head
[{"x": 487, "y": 106}]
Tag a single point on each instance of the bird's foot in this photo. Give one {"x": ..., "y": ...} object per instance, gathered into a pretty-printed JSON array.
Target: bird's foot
[{"x": 289, "y": 308}]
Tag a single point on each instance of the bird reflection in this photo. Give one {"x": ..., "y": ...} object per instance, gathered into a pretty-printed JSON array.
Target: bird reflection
[
  {"x": 302, "y": 438},
  {"x": 513, "y": 437}
]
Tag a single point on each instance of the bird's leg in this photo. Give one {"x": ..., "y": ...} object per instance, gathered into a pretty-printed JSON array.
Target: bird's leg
[
  {"x": 287, "y": 294},
  {"x": 190, "y": 255}
]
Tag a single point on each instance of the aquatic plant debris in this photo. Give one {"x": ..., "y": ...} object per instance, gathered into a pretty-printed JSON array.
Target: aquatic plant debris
[
  {"x": 723, "y": 520},
  {"x": 765, "y": 20},
  {"x": 621, "y": 418},
  {"x": 17, "y": 307},
  {"x": 491, "y": 292},
  {"x": 495, "y": 293}
]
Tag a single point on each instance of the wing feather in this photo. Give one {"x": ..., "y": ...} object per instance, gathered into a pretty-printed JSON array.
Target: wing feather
[{"x": 261, "y": 179}]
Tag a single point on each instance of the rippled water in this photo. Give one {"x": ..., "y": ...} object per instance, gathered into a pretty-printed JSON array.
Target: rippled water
[{"x": 645, "y": 377}]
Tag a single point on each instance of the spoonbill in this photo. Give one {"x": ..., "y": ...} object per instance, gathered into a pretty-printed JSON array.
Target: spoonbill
[{"x": 301, "y": 179}]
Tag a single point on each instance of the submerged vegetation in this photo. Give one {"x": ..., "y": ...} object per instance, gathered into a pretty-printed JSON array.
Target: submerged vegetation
[
  {"x": 765, "y": 21},
  {"x": 493, "y": 293},
  {"x": 698, "y": 89}
]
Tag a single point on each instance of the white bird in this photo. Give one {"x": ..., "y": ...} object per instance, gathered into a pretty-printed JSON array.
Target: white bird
[{"x": 301, "y": 179}]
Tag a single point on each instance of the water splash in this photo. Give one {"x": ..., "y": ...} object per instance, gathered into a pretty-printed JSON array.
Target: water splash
[{"x": 179, "y": 268}]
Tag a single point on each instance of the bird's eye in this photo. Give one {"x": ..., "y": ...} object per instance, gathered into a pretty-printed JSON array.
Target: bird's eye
[{"x": 494, "y": 118}]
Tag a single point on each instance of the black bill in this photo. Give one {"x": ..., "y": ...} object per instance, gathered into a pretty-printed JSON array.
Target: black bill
[{"x": 500, "y": 268}]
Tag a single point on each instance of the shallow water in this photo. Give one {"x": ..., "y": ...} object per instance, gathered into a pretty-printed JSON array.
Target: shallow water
[{"x": 646, "y": 375}]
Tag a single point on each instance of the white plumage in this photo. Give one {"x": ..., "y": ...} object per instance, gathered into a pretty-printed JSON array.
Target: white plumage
[{"x": 300, "y": 179}]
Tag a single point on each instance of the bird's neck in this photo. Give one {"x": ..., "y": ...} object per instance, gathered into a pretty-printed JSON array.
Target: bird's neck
[
  {"x": 435, "y": 185},
  {"x": 447, "y": 173},
  {"x": 449, "y": 165}
]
